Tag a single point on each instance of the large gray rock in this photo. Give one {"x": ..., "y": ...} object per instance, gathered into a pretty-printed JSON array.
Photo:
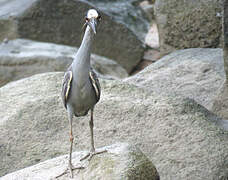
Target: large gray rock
[
  {"x": 121, "y": 161},
  {"x": 196, "y": 73},
  {"x": 189, "y": 24},
  {"x": 181, "y": 138},
  {"x": 221, "y": 104},
  {"x": 120, "y": 35},
  {"x": 21, "y": 58}
]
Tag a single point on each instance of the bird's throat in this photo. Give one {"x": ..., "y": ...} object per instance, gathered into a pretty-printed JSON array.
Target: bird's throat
[
  {"x": 81, "y": 63},
  {"x": 87, "y": 39}
]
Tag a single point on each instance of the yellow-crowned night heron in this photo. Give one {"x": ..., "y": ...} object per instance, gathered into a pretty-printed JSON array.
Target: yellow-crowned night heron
[{"x": 81, "y": 88}]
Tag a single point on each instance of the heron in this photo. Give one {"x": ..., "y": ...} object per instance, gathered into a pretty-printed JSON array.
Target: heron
[{"x": 81, "y": 89}]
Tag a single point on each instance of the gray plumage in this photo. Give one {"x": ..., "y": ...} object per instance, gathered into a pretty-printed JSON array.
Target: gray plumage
[
  {"x": 78, "y": 100},
  {"x": 81, "y": 88},
  {"x": 80, "y": 82}
]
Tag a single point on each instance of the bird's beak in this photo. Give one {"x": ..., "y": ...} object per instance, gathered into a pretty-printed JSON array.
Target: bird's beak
[{"x": 93, "y": 24}]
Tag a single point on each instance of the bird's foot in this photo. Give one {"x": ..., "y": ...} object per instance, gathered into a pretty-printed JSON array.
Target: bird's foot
[
  {"x": 91, "y": 154},
  {"x": 70, "y": 168}
]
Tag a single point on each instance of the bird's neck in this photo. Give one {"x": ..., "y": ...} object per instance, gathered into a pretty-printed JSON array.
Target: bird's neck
[
  {"x": 81, "y": 63},
  {"x": 87, "y": 40}
]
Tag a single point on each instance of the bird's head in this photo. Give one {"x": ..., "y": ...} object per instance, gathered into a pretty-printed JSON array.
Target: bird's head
[{"x": 92, "y": 19}]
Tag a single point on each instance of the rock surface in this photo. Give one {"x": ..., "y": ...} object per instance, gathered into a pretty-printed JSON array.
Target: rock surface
[
  {"x": 61, "y": 22},
  {"x": 126, "y": 12},
  {"x": 189, "y": 24},
  {"x": 148, "y": 8},
  {"x": 196, "y": 73},
  {"x": 221, "y": 104},
  {"x": 121, "y": 161},
  {"x": 180, "y": 137},
  {"x": 21, "y": 58},
  {"x": 152, "y": 37}
]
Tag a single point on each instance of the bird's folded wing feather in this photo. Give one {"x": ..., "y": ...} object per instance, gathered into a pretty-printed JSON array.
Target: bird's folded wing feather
[
  {"x": 95, "y": 83},
  {"x": 66, "y": 86}
]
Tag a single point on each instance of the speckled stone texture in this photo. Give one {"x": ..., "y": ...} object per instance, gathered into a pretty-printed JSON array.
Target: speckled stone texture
[
  {"x": 221, "y": 104},
  {"x": 196, "y": 73},
  {"x": 182, "y": 139},
  {"x": 189, "y": 24},
  {"x": 121, "y": 161}
]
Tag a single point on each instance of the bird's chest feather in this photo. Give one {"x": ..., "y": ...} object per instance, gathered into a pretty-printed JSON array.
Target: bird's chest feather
[
  {"x": 83, "y": 90},
  {"x": 82, "y": 97}
]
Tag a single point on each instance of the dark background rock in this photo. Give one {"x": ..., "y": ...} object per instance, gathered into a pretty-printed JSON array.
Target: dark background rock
[
  {"x": 148, "y": 8},
  {"x": 126, "y": 12},
  {"x": 225, "y": 32},
  {"x": 118, "y": 38},
  {"x": 188, "y": 24}
]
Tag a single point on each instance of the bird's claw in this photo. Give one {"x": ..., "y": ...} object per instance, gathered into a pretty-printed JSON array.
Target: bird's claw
[
  {"x": 70, "y": 168},
  {"x": 91, "y": 154}
]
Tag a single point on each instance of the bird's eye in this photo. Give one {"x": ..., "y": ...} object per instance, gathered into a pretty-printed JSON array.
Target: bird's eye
[
  {"x": 99, "y": 17},
  {"x": 87, "y": 19}
]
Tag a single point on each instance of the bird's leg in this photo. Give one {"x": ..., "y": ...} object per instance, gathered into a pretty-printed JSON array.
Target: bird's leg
[
  {"x": 71, "y": 144},
  {"x": 70, "y": 167},
  {"x": 91, "y": 131},
  {"x": 92, "y": 151}
]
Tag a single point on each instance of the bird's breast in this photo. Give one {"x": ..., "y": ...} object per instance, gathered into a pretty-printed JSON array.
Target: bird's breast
[{"x": 82, "y": 98}]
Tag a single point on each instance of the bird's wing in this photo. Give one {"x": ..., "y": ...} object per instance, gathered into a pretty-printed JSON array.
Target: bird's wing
[
  {"x": 95, "y": 84},
  {"x": 66, "y": 86}
]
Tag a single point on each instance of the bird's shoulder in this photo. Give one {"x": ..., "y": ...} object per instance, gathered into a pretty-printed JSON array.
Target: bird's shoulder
[
  {"x": 95, "y": 83},
  {"x": 66, "y": 85}
]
